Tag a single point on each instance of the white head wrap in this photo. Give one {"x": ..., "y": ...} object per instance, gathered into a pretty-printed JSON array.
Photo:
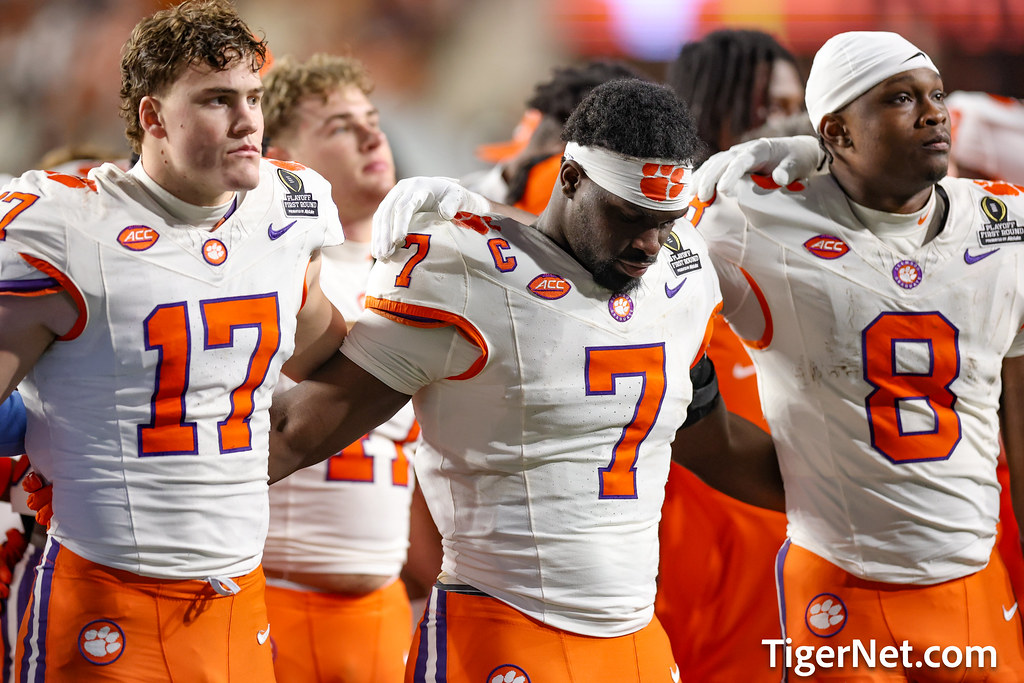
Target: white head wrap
[
  {"x": 650, "y": 183},
  {"x": 850, "y": 64}
]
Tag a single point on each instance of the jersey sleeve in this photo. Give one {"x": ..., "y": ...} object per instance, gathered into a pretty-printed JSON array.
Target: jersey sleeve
[
  {"x": 35, "y": 211},
  {"x": 414, "y": 330},
  {"x": 18, "y": 278},
  {"x": 404, "y": 357}
]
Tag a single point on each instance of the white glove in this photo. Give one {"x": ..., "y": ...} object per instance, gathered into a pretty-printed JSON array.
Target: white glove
[
  {"x": 441, "y": 196},
  {"x": 788, "y": 159}
]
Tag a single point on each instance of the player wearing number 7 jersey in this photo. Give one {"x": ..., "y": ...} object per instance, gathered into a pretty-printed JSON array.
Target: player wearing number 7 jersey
[
  {"x": 168, "y": 298},
  {"x": 882, "y": 304},
  {"x": 550, "y": 368}
]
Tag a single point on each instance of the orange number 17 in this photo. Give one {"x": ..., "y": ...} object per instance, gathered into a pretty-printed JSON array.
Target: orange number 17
[{"x": 167, "y": 331}]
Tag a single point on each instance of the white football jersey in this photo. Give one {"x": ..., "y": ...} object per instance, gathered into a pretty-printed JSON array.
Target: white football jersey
[
  {"x": 350, "y": 513},
  {"x": 879, "y": 372},
  {"x": 151, "y": 415},
  {"x": 547, "y": 418}
]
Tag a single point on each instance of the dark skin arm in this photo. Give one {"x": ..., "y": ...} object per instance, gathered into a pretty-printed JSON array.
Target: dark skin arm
[
  {"x": 734, "y": 456},
  {"x": 335, "y": 406},
  {"x": 1011, "y": 422}
]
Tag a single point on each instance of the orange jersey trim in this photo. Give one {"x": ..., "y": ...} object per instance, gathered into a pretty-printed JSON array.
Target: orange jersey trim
[
  {"x": 769, "y": 326},
  {"x": 305, "y": 285},
  {"x": 706, "y": 341},
  {"x": 68, "y": 287},
  {"x": 424, "y": 316}
]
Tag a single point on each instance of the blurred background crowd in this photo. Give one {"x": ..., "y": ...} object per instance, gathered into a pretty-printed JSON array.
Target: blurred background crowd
[{"x": 453, "y": 74}]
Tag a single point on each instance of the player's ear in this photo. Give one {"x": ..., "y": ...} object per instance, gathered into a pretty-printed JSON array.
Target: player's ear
[
  {"x": 150, "y": 119},
  {"x": 569, "y": 177},
  {"x": 834, "y": 131}
]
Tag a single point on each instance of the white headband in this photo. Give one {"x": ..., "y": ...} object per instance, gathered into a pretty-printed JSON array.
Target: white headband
[
  {"x": 849, "y": 64},
  {"x": 650, "y": 183}
]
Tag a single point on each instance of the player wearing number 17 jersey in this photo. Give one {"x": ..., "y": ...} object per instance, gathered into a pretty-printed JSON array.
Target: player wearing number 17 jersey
[
  {"x": 551, "y": 367},
  {"x": 882, "y": 306},
  {"x": 168, "y": 300}
]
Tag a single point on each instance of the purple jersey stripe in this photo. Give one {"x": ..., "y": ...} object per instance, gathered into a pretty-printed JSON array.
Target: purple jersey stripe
[
  {"x": 27, "y": 286},
  {"x": 35, "y": 635},
  {"x": 433, "y": 631},
  {"x": 780, "y": 588}
]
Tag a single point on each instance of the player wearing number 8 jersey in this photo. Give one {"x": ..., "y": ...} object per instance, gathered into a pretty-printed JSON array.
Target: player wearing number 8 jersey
[
  {"x": 550, "y": 367},
  {"x": 169, "y": 298},
  {"x": 882, "y": 304}
]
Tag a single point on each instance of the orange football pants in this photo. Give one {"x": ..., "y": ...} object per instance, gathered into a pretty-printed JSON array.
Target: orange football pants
[
  {"x": 928, "y": 628},
  {"x": 471, "y": 638},
  {"x": 321, "y": 637},
  {"x": 89, "y": 622}
]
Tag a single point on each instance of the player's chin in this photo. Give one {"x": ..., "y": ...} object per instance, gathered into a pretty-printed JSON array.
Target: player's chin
[
  {"x": 610, "y": 277},
  {"x": 938, "y": 169},
  {"x": 243, "y": 176}
]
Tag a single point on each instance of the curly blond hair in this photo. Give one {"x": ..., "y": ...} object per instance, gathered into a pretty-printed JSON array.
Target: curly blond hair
[
  {"x": 290, "y": 80},
  {"x": 164, "y": 44}
]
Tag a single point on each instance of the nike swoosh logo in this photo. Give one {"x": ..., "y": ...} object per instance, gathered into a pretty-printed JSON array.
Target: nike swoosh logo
[
  {"x": 968, "y": 259},
  {"x": 274, "y": 234},
  {"x": 674, "y": 672},
  {"x": 672, "y": 291},
  {"x": 922, "y": 219},
  {"x": 916, "y": 54},
  {"x": 1008, "y": 613},
  {"x": 261, "y": 636},
  {"x": 743, "y": 371}
]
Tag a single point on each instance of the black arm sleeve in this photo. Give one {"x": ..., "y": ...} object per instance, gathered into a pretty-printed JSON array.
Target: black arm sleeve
[{"x": 705, "y": 391}]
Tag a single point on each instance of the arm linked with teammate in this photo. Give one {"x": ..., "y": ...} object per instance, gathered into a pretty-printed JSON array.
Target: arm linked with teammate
[
  {"x": 334, "y": 407},
  {"x": 726, "y": 451}
]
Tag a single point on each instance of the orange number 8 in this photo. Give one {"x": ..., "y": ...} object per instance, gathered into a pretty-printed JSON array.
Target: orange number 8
[{"x": 891, "y": 385}]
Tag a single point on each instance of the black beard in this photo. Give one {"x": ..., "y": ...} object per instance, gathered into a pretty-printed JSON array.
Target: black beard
[{"x": 611, "y": 278}]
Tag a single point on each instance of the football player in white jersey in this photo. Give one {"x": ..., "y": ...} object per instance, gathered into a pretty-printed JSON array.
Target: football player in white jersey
[
  {"x": 167, "y": 300},
  {"x": 339, "y": 531},
  {"x": 884, "y": 306},
  {"x": 550, "y": 367}
]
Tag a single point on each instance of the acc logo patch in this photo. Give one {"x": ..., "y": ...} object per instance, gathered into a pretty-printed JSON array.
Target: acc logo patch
[
  {"x": 214, "y": 252},
  {"x": 296, "y": 201},
  {"x": 1001, "y": 229},
  {"x": 907, "y": 274},
  {"x": 138, "y": 237},
  {"x": 508, "y": 673},
  {"x": 621, "y": 307},
  {"x": 549, "y": 286},
  {"x": 101, "y": 642},
  {"x": 826, "y": 246},
  {"x": 825, "y": 615}
]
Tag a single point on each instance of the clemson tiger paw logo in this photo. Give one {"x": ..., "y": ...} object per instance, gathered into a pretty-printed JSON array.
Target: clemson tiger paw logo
[
  {"x": 101, "y": 642},
  {"x": 508, "y": 673},
  {"x": 214, "y": 252},
  {"x": 826, "y": 615},
  {"x": 662, "y": 182}
]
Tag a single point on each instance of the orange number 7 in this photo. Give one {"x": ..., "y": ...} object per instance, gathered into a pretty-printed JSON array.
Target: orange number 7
[
  {"x": 604, "y": 366},
  {"x": 24, "y": 201},
  {"x": 422, "y": 244}
]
